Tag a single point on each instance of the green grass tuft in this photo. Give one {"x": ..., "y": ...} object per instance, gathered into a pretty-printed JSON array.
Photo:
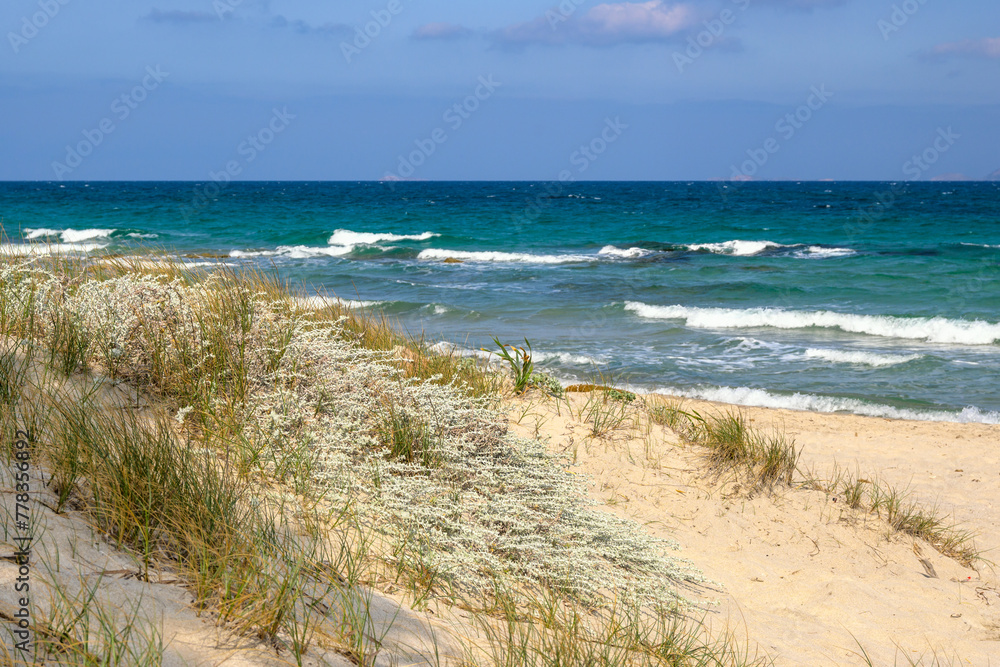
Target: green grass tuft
[
  {"x": 763, "y": 459},
  {"x": 407, "y": 437},
  {"x": 284, "y": 461},
  {"x": 521, "y": 364},
  {"x": 903, "y": 514}
]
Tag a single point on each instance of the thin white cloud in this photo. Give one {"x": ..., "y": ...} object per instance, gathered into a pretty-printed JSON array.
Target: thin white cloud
[
  {"x": 635, "y": 21},
  {"x": 977, "y": 48},
  {"x": 805, "y": 4},
  {"x": 441, "y": 31},
  {"x": 609, "y": 23},
  {"x": 603, "y": 25},
  {"x": 304, "y": 28},
  {"x": 263, "y": 17}
]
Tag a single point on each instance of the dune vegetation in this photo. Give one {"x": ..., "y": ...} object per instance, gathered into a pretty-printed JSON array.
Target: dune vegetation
[{"x": 309, "y": 482}]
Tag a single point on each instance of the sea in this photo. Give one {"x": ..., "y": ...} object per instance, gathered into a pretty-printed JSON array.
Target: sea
[{"x": 878, "y": 299}]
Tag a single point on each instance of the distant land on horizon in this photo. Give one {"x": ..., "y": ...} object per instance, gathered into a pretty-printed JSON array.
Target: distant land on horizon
[{"x": 943, "y": 178}]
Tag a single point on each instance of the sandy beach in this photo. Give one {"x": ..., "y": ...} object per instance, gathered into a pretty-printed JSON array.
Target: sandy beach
[
  {"x": 373, "y": 502},
  {"x": 802, "y": 575},
  {"x": 625, "y": 333}
]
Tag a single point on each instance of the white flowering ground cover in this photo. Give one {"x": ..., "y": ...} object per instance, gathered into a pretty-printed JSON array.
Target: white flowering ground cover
[
  {"x": 488, "y": 504},
  {"x": 290, "y": 473},
  {"x": 434, "y": 471}
]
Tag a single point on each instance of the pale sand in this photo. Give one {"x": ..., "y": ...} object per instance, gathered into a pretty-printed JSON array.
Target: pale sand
[
  {"x": 71, "y": 556},
  {"x": 85, "y": 559},
  {"x": 801, "y": 575}
]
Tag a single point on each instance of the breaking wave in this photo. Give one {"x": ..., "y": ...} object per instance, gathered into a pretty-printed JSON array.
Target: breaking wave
[
  {"x": 930, "y": 329},
  {"x": 69, "y": 235},
  {"x": 861, "y": 357},
  {"x": 497, "y": 256},
  {"x": 814, "y": 403}
]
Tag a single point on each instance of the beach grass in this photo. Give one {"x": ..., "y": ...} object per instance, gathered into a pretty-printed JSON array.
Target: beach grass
[
  {"x": 733, "y": 444},
  {"x": 903, "y": 514},
  {"x": 180, "y": 511},
  {"x": 624, "y": 634},
  {"x": 284, "y": 457},
  {"x": 767, "y": 458}
]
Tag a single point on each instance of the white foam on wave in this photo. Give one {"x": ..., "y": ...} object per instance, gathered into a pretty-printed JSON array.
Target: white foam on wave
[
  {"x": 78, "y": 236},
  {"x": 537, "y": 356},
  {"x": 744, "y": 345},
  {"x": 819, "y": 252},
  {"x": 813, "y": 403},
  {"x": 981, "y": 245},
  {"x": 69, "y": 235},
  {"x": 206, "y": 264},
  {"x": 294, "y": 252},
  {"x": 860, "y": 357},
  {"x": 345, "y": 237},
  {"x": 46, "y": 249},
  {"x": 41, "y": 233},
  {"x": 318, "y": 302},
  {"x": 497, "y": 256},
  {"x": 564, "y": 358},
  {"x": 343, "y": 242},
  {"x": 450, "y": 349},
  {"x": 136, "y": 235},
  {"x": 750, "y": 248},
  {"x": 736, "y": 248},
  {"x": 436, "y": 308},
  {"x": 930, "y": 329},
  {"x": 623, "y": 253},
  {"x": 444, "y": 347}
]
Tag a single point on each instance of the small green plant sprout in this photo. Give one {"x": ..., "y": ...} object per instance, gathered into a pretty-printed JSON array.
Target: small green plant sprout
[
  {"x": 612, "y": 394},
  {"x": 620, "y": 395},
  {"x": 520, "y": 363},
  {"x": 547, "y": 383}
]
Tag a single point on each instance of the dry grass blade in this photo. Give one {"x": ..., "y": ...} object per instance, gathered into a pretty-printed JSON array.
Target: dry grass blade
[
  {"x": 283, "y": 457},
  {"x": 733, "y": 444},
  {"x": 902, "y": 513}
]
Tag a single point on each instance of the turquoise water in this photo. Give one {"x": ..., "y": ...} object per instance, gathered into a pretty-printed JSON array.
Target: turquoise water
[{"x": 873, "y": 298}]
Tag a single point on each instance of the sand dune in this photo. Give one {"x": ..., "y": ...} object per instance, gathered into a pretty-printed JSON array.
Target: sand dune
[{"x": 800, "y": 573}]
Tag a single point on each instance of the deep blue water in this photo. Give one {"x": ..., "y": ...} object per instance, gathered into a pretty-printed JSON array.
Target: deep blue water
[{"x": 875, "y": 298}]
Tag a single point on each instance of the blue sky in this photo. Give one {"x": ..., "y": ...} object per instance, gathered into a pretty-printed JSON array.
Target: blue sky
[{"x": 662, "y": 90}]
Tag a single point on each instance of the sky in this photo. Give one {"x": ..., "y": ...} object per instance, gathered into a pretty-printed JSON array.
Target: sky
[{"x": 511, "y": 90}]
